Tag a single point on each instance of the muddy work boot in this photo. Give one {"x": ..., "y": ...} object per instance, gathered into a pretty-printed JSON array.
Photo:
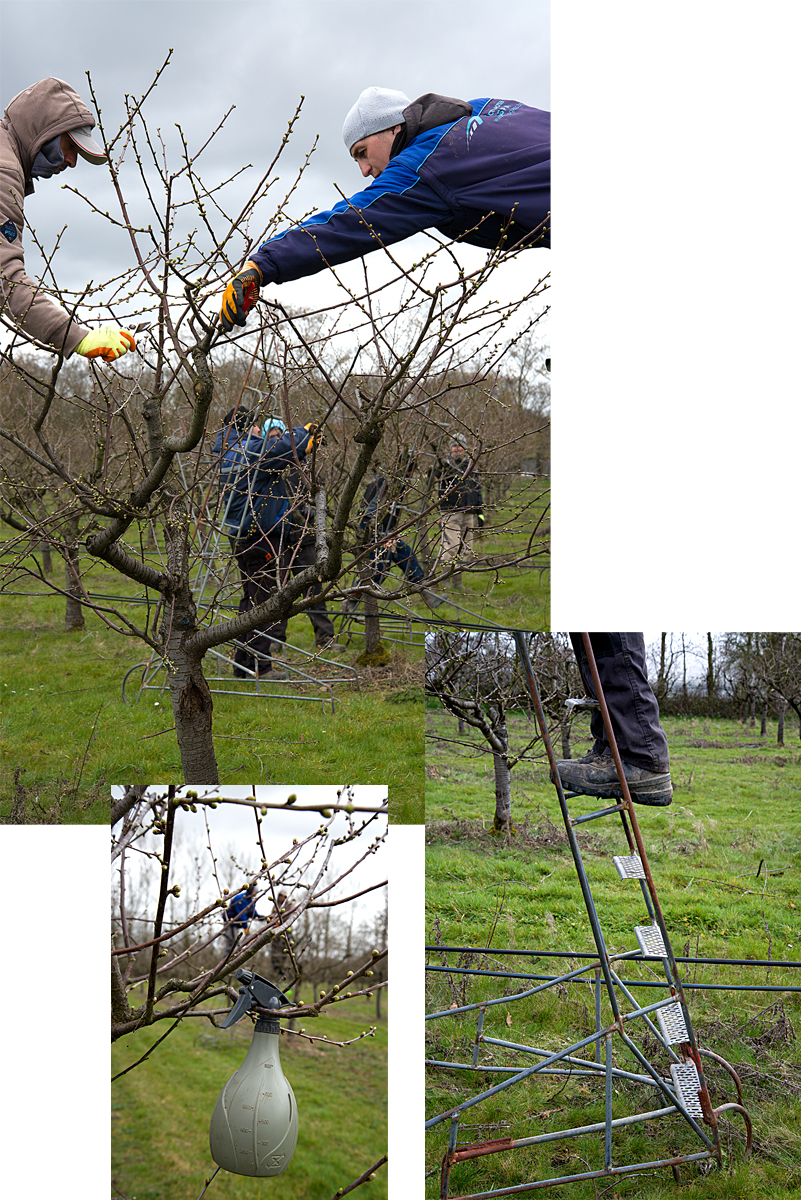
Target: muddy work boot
[{"x": 597, "y": 776}]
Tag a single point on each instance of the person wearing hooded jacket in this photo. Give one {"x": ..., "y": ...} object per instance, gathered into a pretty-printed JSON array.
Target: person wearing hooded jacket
[
  {"x": 44, "y": 130},
  {"x": 477, "y": 171},
  {"x": 256, "y": 511}
]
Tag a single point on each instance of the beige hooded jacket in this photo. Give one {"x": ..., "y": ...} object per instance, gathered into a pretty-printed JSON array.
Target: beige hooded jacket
[{"x": 41, "y": 112}]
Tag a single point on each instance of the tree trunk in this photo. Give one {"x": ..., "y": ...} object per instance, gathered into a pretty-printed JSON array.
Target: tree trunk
[
  {"x": 375, "y": 652},
  {"x": 661, "y": 683},
  {"x": 192, "y": 705},
  {"x": 764, "y": 727},
  {"x": 372, "y": 625},
  {"x": 566, "y": 738},
  {"x": 683, "y": 670},
  {"x": 710, "y": 668},
  {"x": 73, "y": 616},
  {"x": 503, "y": 774},
  {"x": 192, "y": 708},
  {"x": 378, "y": 996},
  {"x": 780, "y": 730},
  {"x": 503, "y": 791}
]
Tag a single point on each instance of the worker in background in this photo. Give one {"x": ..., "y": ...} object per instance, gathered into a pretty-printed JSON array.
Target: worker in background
[
  {"x": 239, "y": 914},
  {"x": 461, "y": 506},
  {"x": 256, "y": 516},
  {"x": 379, "y": 519}
]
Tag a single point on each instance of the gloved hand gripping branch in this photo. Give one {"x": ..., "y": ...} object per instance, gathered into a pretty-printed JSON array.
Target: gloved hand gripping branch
[
  {"x": 317, "y": 437},
  {"x": 240, "y": 296}
]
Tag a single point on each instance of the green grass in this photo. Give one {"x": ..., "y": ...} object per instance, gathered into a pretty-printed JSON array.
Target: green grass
[
  {"x": 65, "y": 723},
  {"x": 517, "y": 597},
  {"x": 65, "y": 728},
  {"x": 736, "y": 813},
  {"x": 161, "y": 1110}
]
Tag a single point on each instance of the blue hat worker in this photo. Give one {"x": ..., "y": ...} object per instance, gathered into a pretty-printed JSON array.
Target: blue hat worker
[{"x": 238, "y": 915}]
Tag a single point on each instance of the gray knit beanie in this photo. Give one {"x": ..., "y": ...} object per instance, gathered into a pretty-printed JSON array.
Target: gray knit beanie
[{"x": 376, "y": 109}]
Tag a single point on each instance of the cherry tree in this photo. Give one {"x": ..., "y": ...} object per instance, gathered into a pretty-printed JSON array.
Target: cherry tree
[
  {"x": 381, "y": 369},
  {"x": 176, "y": 866}
]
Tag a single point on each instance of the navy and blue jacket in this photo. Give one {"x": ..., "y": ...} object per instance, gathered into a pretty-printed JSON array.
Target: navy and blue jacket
[
  {"x": 242, "y": 910},
  {"x": 468, "y": 178},
  {"x": 252, "y": 478}
]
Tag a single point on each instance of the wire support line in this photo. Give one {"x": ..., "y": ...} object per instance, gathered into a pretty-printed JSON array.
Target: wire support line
[{"x": 698, "y": 987}]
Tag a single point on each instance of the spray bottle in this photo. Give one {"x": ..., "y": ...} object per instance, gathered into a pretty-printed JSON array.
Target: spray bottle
[{"x": 254, "y": 1126}]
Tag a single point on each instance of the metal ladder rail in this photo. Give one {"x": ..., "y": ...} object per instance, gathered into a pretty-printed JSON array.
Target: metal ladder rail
[
  {"x": 677, "y": 1025},
  {"x": 635, "y": 865}
]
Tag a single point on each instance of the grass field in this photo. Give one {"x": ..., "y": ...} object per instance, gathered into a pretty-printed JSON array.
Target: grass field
[
  {"x": 64, "y": 721},
  {"x": 65, "y": 727},
  {"x": 726, "y": 859},
  {"x": 161, "y": 1110}
]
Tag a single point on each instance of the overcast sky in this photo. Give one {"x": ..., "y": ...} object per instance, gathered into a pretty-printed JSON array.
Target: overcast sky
[{"x": 233, "y": 832}]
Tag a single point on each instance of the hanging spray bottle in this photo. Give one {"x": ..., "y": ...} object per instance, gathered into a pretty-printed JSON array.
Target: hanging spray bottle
[{"x": 254, "y": 1126}]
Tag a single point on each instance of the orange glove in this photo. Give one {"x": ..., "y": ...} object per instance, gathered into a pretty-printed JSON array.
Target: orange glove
[
  {"x": 240, "y": 296},
  {"x": 317, "y": 438},
  {"x": 107, "y": 343}
]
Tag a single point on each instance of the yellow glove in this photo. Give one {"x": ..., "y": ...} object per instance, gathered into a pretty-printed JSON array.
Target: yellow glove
[
  {"x": 317, "y": 438},
  {"x": 107, "y": 343},
  {"x": 240, "y": 296}
]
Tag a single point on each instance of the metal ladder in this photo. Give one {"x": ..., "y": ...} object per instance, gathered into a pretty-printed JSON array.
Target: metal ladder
[{"x": 684, "y": 1091}]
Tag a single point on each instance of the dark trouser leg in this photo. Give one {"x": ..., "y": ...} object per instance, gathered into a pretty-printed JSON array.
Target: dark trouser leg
[
  {"x": 404, "y": 556},
  {"x": 323, "y": 626},
  {"x": 633, "y": 708},
  {"x": 256, "y": 566}
]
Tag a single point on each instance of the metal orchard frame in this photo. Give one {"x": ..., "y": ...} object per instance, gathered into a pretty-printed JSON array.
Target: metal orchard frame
[
  {"x": 214, "y": 565},
  {"x": 684, "y": 1091}
]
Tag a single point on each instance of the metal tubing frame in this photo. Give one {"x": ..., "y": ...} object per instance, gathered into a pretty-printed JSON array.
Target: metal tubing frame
[
  {"x": 698, "y": 987},
  {"x": 601, "y": 964},
  {"x": 155, "y": 665},
  {"x": 636, "y": 955}
]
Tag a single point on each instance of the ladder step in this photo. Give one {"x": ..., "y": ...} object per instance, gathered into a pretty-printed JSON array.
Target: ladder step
[
  {"x": 629, "y": 866},
  {"x": 685, "y": 1081},
  {"x": 650, "y": 939},
  {"x": 673, "y": 1026},
  {"x": 582, "y": 702}
]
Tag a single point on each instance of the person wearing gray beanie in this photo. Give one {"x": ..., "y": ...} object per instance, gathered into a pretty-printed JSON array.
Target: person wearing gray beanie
[{"x": 477, "y": 171}]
